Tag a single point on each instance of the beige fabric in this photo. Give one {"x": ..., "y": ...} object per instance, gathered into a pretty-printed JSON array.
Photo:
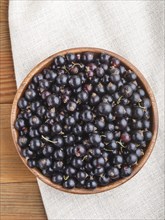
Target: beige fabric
[{"x": 133, "y": 29}]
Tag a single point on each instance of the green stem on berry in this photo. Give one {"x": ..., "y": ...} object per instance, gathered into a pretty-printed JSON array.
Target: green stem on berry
[
  {"x": 119, "y": 142},
  {"x": 85, "y": 157},
  {"x": 66, "y": 177},
  {"x": 141, "y": 106},
  {"x": 76, "y": 64},
  {"x": 119, "y": 99},
  {"x": 46, "y": 139},
  {"x": 106, "y": 149},
  {"x": 64, "y": 68}
]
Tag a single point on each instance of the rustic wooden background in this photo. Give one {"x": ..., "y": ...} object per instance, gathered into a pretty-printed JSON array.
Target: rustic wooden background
[{"x": 20, "y": 198}]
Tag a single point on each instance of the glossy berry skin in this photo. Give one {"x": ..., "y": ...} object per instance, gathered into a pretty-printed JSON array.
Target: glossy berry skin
[
  {"x": 118, "y": 160},
  {"x": 95, "y": 139},
  {"x": 53, "y": 101},
  {"x": 84, "y": 121},
  {"x": 79, "y": 150},
  {"x": 104, "y": 58},
  {"x": 89, "y": 128},
  {"x": 126, "y": 171},
  {"x": 34, "y": 121},
  {"x": 126, "y": 91},
  {"x": 104, "y": 180},
  {"x": 125, "y": 137},
  {"x": 138, "y": 113},
  {"x": 81, "y": 175},
  {"x": 22, "y": 103},
  {"x": 147, "y": 135},
  {"x": 58, "y": 178},
  {"x": 30, "y": 94},
  {"x": 75, "y": 81},
  {"x": 87, "y": 57},
  {"x": 35, "y": 144},
  {"x": 104, "y": 108},
  {"x": 71, "y": 106},
  {"x": 87, "y": 116},
  {"x": 59, "y": 61},
  {"x": 131, "y": 159},
  {"x": 44, "y": 129},
  {"x": 83, "y": 96},
  {"x": 70, "y": 183},
  {"x": 20, "y": 123},
  {"x": 98, "y": 162},
  {"x": 94, "y": 99},
  {"x": 23, "y": 141},
  {"x": 113, "y": 173},
  {"x": 70, "y": 57},
  {"x": 91, "y": 184},
  {"x": 58, "y": 155},
  {"x": 119, "y": 111}
]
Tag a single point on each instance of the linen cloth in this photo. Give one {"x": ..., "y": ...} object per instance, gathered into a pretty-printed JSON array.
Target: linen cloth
[{"x": 133, "y": 29}]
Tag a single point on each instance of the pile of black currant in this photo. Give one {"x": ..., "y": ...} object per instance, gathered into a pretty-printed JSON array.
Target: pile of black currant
[{"x": 85, "y": 121}]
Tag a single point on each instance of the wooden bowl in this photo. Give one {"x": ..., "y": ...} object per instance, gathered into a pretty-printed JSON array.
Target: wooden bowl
[{"x": 45, "y": 64}]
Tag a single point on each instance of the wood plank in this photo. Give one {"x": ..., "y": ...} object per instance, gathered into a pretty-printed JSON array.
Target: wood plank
[
  {"x": 12, "y": 168},
  {"x": 3, "y": 10},
  {"x": 21, "y": 201}
]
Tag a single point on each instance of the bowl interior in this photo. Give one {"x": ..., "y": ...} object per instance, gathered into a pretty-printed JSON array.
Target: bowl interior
[{"x": 141, "y": 80}]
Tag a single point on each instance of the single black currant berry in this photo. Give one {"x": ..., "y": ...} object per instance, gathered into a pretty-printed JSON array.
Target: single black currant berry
[
  {"x": 87, "y": 57},
  {"x": 70, "y": 57},
  {"x": 104, "y": 58},
  {"x": 81, "y": 175},
  {"x": 30, "y": 94},
  {"x": 71, "y": 106},
  {"x": 147, "y": 135},
  {"x": 34, "y": 121},
  {"x": 20, "y": 124},
  {"x": 89, "y": 128},
  {"x": 113, "y": 173},
  {"x": 31, "y": 163},
  {"x": 59, "y": 154},
  {"x": 126, "y": 91},
  {"x": 44, "y": 129},
  {"x": 98, "y": 162},
  {"x": 125, "y": 137},
  {"x": 95, "y": 139},
  {"x": 131, "y": 159},
  {"x": 83, "y": 96},
  {"x": 118, "y": 160},
  {"x": 126, "y": 171},
  {"x": 35, "y": 144},
  {"x": 119, "y": 110},
  {"x": 79, "y": 150},
  {"x": 59, "y": 61},
  {"x": 87, "y": 116},
  {"x": 115, "y": 62},
  {"x": 91, "y": 184},
  {"x": 104, "y": 180},
  {"x": 22, "y": 103},
  {"x": 111, "y": 88},
  {"x": 23, "y": 141},
  {"x": 57, "y": 178},
  {"x": 53, "y": 101},
  {"x": 104, "y": 108}
]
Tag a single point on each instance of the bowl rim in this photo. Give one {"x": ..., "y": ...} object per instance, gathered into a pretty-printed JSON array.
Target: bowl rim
[{"x": 45, "y": 63}]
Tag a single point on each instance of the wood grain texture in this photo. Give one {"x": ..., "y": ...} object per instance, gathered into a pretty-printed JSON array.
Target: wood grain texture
[
  {"x": 19, "y": 194},
  {"x": 24, "y": 195},
  {"x": 45, "y": 63}
]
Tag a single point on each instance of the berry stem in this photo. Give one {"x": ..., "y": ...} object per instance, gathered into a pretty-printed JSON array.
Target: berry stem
[
  {"x": 46, "y": 139},
  {"x": 119, "y": 100},
  {"x": 66, "y": 177}
]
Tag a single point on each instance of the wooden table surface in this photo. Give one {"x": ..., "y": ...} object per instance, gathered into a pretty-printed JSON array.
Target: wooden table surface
[{"x": 20, "y": 197}]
